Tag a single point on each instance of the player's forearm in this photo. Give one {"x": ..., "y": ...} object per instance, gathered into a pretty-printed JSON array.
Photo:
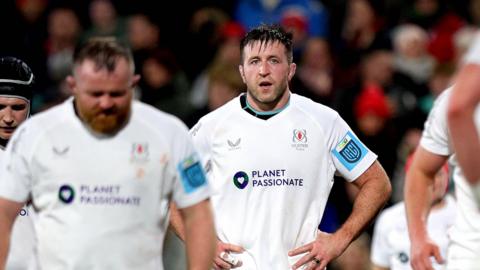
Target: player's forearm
[
  {"x": 5, "y": 231},
  {"x": 200, "y": 236},
  {"x": 371, "y": 198},
  {"x": 418, "y": 200}
]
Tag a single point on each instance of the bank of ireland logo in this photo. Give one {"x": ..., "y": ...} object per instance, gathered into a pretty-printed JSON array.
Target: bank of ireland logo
[
  {"x": 240, "y": 179},
  {"x": 66, "y": 194}
]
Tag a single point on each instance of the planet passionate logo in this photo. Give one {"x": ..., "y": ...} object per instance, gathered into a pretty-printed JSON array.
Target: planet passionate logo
[
  {"x": 66, "y": 194},
  {"x": 240, "y": 179}
]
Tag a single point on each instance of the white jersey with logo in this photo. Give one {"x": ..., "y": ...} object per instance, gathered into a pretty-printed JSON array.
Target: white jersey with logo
[
  {"x": 22, "y": 240},
  {"x": 271, "y": 178},
  {"x": 464, "y": 249},
  {"x": 102, "y": 201},
  {"x": 391, "y": 243}
]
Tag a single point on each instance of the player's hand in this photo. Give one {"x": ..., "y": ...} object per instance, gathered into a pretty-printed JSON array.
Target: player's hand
[
  {"x": 319, "y": 252},
  {"x": 421, "y": 251},
  {"x": 223, "y": 259}
]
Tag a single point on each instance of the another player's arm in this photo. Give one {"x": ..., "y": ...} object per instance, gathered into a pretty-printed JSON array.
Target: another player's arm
[
  {"x": 200, "y": 237},
  {"x": 463, "y": 100},
  {"x": 374, "y": 190},
  {"x": 418, "y": 200},
  {"x": 8, "y": 212}
]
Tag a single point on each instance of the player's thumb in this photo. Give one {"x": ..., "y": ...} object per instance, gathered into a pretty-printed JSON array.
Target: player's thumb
[
  {"x": 235, "y": 248},
  {"x": 436, "y": 254}
]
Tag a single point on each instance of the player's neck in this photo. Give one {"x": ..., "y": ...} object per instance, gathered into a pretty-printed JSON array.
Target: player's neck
[{"x": 268, "y": 108}]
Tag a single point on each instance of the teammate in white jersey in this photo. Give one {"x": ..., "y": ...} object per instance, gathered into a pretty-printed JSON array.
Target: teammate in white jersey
[
  {"x": 16, "y": 89},
  {"x": 101, "y": 170},
  {"x": 463, "y": 103},
  {"x": 391, "y": 244},
  {"x": 435, "y": 148},
  {"x": 271, "y": 156}
]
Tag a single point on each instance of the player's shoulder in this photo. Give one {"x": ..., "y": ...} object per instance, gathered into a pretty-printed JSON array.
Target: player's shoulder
[
  {"x": 50, "y": 118},
  {"x": 219, "y": 115},
  {"x": 155, "y": 118},
  {"x": 312, "y": 109}
]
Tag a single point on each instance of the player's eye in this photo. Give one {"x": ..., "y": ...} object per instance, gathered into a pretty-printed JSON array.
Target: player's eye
[{"x": 19, "y": 107}]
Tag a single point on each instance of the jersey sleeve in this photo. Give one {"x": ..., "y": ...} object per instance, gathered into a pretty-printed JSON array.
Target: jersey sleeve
[
  {"x": 435, "y": 137},
  {"x": 379, "y": 252},
  {"x": 15, "y": 169},
  {"x": 202, "y": 144},
  {"x": 191, "y": 185},
  {"x": 473, "y": 54},
  {"x": 350, "y": 156}
]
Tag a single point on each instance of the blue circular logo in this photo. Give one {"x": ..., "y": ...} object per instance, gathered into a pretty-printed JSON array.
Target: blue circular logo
[
  {"x": 240, "y": 179},
  {"x": 66, "y": 194}
]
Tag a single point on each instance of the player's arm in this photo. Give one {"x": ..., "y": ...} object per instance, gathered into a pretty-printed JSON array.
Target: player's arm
[
  {"x": 374, "y": 190},
  {"x": 418, "y": 200},
  {"x": 200, "y": 237},
  {"x": 464, "y": 99},
  {"x": 176, "y": 223},
  {"x": 8, "y": 212},
  {"x": 376, "y": 267}
]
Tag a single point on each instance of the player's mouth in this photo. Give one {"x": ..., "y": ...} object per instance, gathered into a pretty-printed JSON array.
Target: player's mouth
[
  {"x": 265, "y": 84},
  {"x": 7, "y": 129}
]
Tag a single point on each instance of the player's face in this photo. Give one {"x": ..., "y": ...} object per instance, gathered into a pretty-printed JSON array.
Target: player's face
[
  {"x": 266, "y": 72},
  {"x": 13, "y": 111},
  {"x": 102, "y": 98}
]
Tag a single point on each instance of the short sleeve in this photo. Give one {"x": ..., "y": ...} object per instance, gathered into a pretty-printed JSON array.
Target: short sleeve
[
  {"x": 350, "y": 156},
  {"x": 202, "y": 145},
  {"x": 473, "y": 54},
  {"x": 191, "y": 185},
  {"x": 435, "y": 136},
  {"x": 379, "y": 252},
  {"x": 15, "y": 169}
]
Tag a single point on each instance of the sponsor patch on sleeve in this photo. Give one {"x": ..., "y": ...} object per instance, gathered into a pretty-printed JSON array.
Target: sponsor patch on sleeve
[
  {"x": 350, "y": 151},
  {"x": 191, "y": 174}
]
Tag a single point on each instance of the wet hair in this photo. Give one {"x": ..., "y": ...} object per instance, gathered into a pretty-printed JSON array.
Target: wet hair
[
  {"x": 104, "y": 52},
  {"x": 16, "y": 78},
  {"x": 268, "y": 34}
]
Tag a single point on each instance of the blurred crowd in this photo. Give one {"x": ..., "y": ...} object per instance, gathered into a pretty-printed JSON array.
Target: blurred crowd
[{"x": 379, "y": 63}]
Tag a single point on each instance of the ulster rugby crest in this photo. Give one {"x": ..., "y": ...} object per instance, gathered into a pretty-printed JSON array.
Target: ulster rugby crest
[
  {"x": 299, "y": 139},
  {"x": 140, "y": 153}
]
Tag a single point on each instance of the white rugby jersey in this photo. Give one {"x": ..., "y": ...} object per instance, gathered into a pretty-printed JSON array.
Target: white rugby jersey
[
  {"x": 20, "y": 255},
  {"x": 391, "y": 243},
  {"x": 465, "y": 233},
  {"x": 271, "y": 178},
  {"x": 102, "y": 201}
]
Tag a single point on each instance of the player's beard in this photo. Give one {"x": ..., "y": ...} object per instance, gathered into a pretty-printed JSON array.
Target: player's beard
[
  {"x": 272, "y": 98},
  {"x": 106, "y": 121}
]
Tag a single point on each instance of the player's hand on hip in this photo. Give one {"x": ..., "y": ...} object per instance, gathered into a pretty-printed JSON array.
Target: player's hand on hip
[
  {"x": 421, "y": 251},
  {"x": 319, "y": 252},
  {"x": 223, "y": 259}
]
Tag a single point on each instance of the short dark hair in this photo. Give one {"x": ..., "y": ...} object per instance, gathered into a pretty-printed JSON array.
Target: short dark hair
[
  {"x": 104, "y": 51},
  {"x": 266, "y": 33}
]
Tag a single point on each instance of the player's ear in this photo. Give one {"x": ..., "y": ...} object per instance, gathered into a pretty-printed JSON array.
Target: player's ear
[
  {"x": 135, "y": 80},
  {"x": 71, "y": 83},
  {"x": 242, "y": 73},
  {"x": 291, "y": 70}
]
